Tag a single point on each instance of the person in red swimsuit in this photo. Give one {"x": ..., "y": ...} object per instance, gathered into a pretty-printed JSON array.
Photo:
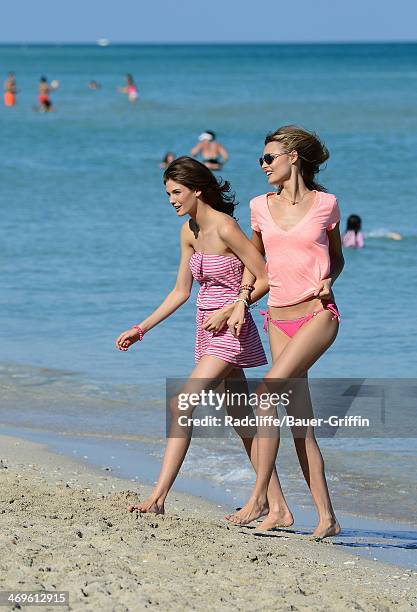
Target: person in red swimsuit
[
  {"x": 297, "y": 229},
  {"x": 10, "y": 90},
  {"x": 45, "y": 103}
]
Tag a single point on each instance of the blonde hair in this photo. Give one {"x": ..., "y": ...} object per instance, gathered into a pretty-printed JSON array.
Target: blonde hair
[{"x": 311, "y": 151}]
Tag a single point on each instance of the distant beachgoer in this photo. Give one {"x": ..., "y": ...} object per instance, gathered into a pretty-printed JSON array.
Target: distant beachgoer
[
  {"x": 45, "y": 102},
  {"x": 10, "y": 90},
  {"x": 213, "y": 154},
  {"x": 214, "y": 252},
  {"x": 297, "y": 229},
  {"x": 131, "y": 90},
  {"x": 168, "y": 158},
  {"x": 94, "y": 85},
  {"x": 394, "y": 236},
  {"x": 353, "y": 237}
]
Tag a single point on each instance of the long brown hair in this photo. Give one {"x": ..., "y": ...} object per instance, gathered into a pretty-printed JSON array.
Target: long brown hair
[
  {"x": 311, "y": 151},
  {"x": 196, "y": 176}
]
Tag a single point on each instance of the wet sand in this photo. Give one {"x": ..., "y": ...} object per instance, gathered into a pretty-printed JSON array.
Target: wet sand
[{"x": 65, "y": 526}]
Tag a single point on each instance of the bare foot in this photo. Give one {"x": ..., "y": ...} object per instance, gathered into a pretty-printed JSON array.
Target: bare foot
[
  {"x": 151, "y": 505},
  {"x": 252, "y": 510},
  {"x": 276, "y": 520},
  {"x": 326, "y": 529},
  {"x": 265, "y": 511}
]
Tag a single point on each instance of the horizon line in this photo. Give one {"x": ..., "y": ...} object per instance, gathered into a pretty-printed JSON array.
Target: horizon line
[{"x": 201, "y": 43}]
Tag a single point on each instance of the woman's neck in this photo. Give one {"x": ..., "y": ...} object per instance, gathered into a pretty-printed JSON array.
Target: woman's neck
[
  {"x": 294, "y": 189},
  {"x": 201, "y": 214}
]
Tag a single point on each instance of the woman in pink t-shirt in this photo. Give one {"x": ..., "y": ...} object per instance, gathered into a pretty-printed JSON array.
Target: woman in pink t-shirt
[{"x": 297, "y": 228}]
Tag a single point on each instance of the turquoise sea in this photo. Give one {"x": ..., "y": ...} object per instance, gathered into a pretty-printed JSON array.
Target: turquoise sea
[{"x": 89, "y": 243}]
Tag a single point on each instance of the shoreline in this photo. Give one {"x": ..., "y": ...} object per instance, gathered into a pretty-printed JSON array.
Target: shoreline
[
  {"x": 377, "y": 539},
  {"x": 70, "y": 530}
]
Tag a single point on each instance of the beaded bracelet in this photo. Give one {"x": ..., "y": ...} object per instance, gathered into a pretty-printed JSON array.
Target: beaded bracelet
[
  {"x": 140, "y": 332},
  {"x": 242, "y": 300},
  {"x": 248, "y": 288}
]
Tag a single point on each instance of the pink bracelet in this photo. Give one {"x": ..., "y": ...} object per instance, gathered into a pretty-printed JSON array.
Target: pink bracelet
[{"x": 140, "y": 332}]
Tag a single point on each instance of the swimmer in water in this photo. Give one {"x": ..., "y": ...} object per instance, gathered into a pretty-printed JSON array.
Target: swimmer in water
[
  {"x": 213, "y": 154},
  {"x": 353, "y": 237},
  {"x": 45, "y": 102},
  {"x": 394, "y": 236},
  {"x": 94, "y": 85},
  {"x": 168, "y": 158},
  {"x": 131, "y": 90},
  {"x": 10, "y": 90}
]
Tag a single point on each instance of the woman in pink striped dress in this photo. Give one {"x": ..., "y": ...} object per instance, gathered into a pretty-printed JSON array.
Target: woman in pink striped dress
[{"x": 214, "y": 252}]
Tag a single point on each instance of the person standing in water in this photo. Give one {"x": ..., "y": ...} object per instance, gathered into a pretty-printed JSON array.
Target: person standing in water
[
  {"x": 167, "y": 159},
  {"x": 214, "y": 252},
  {"x": 213, "y": 154},
  {"x": 130, "y": 89},
  {"x": 10, "y": 90},
  {"x": 297, "y": 228},
  {"x": 353, "y": 237},
  {"x": 45, "y": 102}
]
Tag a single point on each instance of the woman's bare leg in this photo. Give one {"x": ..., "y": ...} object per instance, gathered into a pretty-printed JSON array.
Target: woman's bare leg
[
  {"x": 298, "y": 355},
  {"x": 278, "y": 341},
  {"x": 209, "y": 368},
  {"x": 312, "y": 465},
  {"x": 276, "y": 508}
]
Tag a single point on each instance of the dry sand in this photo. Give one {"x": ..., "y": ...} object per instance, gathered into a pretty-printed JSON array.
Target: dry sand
[{"x": 64, "y": 526}]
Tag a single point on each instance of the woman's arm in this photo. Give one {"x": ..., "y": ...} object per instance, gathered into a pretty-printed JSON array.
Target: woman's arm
[
  {"x": 182, "y": 289},
  {"x": 239, "y": 243},
  {"x": 337, "y": 262},
  {"x": 247, "y": 252},
  {"x": 237, "y": 316},
  {"x": 223, "y": 152},
  {"x": 196, "y": 150},
  {"x": 216, "y": 322},
  {"x": 180, "y": 294},
  {"x": 248, "y": 278}
]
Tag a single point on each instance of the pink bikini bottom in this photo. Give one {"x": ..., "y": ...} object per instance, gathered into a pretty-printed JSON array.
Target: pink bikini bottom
[{"x": 292, "y": 326}]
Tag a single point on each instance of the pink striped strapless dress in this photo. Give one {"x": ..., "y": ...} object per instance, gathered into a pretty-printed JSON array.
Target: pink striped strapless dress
[{"x": 220, "y": 277}]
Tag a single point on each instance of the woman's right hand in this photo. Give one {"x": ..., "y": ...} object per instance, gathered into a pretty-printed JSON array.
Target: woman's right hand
[
  {"x": 237, "y": 318},
  {"x": 127, "y": 338}
]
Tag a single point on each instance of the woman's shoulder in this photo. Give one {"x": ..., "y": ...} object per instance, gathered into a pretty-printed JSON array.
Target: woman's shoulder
[
  {"x": 328, "y": 202},
  {"x": 227, "y": 222},
  {"x": 259, "y": 201},
  {"x": 327, "y": 198}
]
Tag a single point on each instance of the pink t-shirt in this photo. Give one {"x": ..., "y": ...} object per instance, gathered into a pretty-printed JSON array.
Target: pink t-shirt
[{"x": 297, "y": 259}]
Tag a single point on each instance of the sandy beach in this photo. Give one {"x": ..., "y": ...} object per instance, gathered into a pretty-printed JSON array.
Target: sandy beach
[{"x": 65, "y": 527}]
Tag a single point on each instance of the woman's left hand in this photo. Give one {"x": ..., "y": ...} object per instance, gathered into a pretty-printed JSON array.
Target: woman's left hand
[
  {"x": 216, "y": 321},
  {"x": 324, "y": 290},
  {"x": 127, "y": 338}
]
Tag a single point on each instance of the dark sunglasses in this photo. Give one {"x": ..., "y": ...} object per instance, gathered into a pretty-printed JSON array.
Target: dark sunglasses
[{"x": 268, "y": 158}]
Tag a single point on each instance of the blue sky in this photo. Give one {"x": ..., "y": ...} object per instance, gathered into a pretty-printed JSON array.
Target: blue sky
[{"x": 208, "y": 20}]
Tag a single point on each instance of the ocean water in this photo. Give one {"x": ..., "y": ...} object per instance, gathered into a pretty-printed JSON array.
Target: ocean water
[{"x": 89, "y": 243}]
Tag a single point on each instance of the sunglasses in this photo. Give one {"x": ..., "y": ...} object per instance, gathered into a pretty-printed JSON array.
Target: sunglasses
[{"x": 268, "y": 158}]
